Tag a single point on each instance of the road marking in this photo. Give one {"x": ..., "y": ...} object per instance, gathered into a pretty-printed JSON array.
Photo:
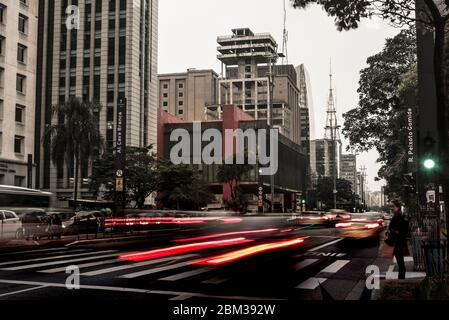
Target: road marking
[
  {"x": 406, "y": 259},
  {"x": 21, "y": 291},
  {"x": 134, "y": 265},
  {"x": 80, "y": 266},
  {"x": 45, "y": 264},
  {"x": 391, "y": 274},
  {"x": 304, "y": 263},
  {"x": 216, "y": 280},
  {"x": 335, "y": 267},
  {"x": 325, "y": 245},
  {"x": 146, "y": 235},
  {"x": 185, "y": 275},
  {"x": 181, "y": 298},
  {"x": 149, "y": 291},
  {"x": 153, "y": 271},
  {"x": 311, "y": 283},
  {"x": 55, "y": 257},
  {"x": 32, "y": 251}
]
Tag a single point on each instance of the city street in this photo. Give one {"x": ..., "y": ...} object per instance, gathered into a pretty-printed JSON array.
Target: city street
[{"x": 288, "y": 269}]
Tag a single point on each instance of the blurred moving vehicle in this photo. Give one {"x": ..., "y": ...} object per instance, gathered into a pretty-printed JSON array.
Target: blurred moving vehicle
[
  {"x": 361, "y": 226},
  {"x": 313, "y": 218},
  {"x": 17, "y": 197},
  {"x": 328, "y": 219},
  {"x": 86, "y": 222},
  {"x": 10, "y": 226},
  {"x": 33, "y": 222}
]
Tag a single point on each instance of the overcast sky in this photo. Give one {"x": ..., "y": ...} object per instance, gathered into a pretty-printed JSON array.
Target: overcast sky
[{"x": 188, "y": 32}]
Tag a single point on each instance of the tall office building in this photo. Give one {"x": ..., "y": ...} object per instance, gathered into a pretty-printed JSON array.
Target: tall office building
[
  {"x": 322, "y": 158},
  {"x": 348, "y": 169},
  {"x": 112, "y": 54},
  {"x": 18, "y": 52}
]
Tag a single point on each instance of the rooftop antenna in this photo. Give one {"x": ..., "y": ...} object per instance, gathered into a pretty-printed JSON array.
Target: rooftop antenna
[{"x": 285, "y": 36}]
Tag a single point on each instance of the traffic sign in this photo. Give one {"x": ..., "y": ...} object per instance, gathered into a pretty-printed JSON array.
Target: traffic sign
[{"x": 119, "y": 185}]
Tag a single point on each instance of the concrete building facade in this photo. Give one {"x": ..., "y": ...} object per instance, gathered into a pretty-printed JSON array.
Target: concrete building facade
[
  {"x": 186, "y": 95},
  {"x": 111, "y": 54},
  {"x": 18, "y": 53}
]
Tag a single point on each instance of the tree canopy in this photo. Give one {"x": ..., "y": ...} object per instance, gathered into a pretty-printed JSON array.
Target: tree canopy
[
  {"x": 379, "y": 121},
  {"x": 325, "y": 191}
]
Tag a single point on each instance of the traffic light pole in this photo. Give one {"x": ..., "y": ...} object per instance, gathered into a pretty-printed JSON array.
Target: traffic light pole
[{"x": 428, "y": 132}]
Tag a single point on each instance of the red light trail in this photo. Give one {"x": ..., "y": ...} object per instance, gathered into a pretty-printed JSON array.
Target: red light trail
[
  {"x": 243, "y": 253},
  {"x": 159, "y": 253}
]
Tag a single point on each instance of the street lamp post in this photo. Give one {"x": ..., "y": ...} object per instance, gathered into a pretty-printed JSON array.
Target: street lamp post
[{"x": 271, "y": 60}]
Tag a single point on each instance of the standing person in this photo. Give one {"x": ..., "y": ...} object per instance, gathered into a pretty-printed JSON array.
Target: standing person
[{"x": 397, "y": 236}]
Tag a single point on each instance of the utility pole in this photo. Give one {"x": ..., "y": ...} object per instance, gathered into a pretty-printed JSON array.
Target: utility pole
[
  {"x": 271, "y": 60},
  {"x": 362, "y": 184}
]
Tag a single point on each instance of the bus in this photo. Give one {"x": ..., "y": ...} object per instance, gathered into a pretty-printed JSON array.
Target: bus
[{"x": 17, "y": 197}]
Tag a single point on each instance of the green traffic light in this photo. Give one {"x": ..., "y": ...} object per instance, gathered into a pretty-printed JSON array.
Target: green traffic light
[{"x": 429, "y": 164}]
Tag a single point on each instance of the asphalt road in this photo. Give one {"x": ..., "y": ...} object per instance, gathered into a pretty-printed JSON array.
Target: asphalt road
[{"x": 268, "y": 269}]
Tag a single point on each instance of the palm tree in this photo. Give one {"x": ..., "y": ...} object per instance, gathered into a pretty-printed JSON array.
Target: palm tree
[{"x": 74, "y": 134}]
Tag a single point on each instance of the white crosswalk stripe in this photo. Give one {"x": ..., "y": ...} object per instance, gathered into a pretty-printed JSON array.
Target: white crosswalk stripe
[
  {"x": 60, "y": 250},
  {"x": 81, "y": 266},
  {"x": 54, "y": 257},
  {"x": 53, "y": 263},
  {"x": 216, "y": 280},
  {"x": 303, "y": 264},
  {"x": 311, "y": 283},
  {"x": 153, "y": 271},
  {"x": 133, "y": 265},
  {"x": 335, "y": 267},
  {"x": 187, "y": 274}
]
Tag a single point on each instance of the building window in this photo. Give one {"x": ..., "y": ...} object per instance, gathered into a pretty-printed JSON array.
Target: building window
[
  {"x": 181, "y": 86},
  {"x": 21, "y": 53},
  {"x": 180, "y": 103},
  {"x": 181, "y": 94},
  {"x": 20, "y": 83},
  {"x": 165, "y": 86},
  {"x": 180, "y": 112},
  {"x": 165, "y": 95},
  {"x": 165, "y": 104},
  {"x": 2, "y": 77},
  {"x": 23, "y": 22},
  {"x": 2, "y": 45},
  {"x": 18, "y": 144},
  {"x": 20, "y": 113},
  {"x": 2, "y": 13},
  {"x": 19, "y": 181}
]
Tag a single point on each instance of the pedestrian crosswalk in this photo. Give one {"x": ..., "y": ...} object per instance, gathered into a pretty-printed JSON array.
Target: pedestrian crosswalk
[{"x": 306, "y": 273}]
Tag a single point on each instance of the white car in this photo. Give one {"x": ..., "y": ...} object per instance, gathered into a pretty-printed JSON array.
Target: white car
[{"x": 10, "y": 226}]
